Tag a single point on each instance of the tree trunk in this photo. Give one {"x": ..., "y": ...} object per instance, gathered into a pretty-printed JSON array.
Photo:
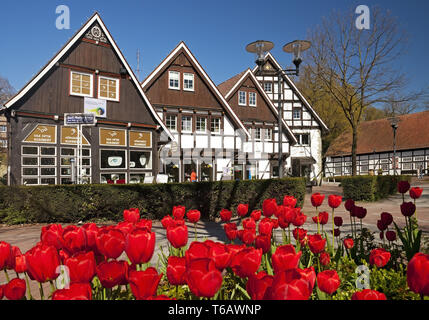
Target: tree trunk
[{"x": 354, "y": 147}]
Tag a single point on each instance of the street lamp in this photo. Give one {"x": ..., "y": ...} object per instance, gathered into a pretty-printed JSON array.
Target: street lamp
[
  {"x": 394, "y": 121},
  {"x": 261, "y": 48}
]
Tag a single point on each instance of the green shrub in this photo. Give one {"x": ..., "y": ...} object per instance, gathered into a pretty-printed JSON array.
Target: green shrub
[
  {"x": 74, "y": 203},
  {"x": 370, "y": 188}
]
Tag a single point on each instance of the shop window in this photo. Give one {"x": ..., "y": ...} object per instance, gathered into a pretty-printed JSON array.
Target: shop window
[
  {"x": 30, "y": 181},
  {"x": 137, "y": 178},
  {"x": 113, "y": 159},
  {"x": 140, "y": 160},
  {"x": 113, "y": 178},
  {"x": 37, "y": 165},
  {"x": 172, "y": 170},
  {"x": 190, "y": 169},
  {"x": 206, "y": 170}
]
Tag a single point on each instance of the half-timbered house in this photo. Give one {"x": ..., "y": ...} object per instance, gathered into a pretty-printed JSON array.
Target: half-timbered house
[{"x": 89, "y": 74}]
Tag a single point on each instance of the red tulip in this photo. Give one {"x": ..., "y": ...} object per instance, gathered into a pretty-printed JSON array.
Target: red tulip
[
  {"x": 258, "y": 284},
  {"x": 285, "y": 258},
  {"x": 348, "y": 243},
  {"x": 317, "y": 199},
  {"x": 247, "y": 236},
  {"x": 324, "y": 258},
  {"x": 144, "y": 283},
  {"x": 408, "y": 209},
  {"x": 132, "y": 215},
  {"x": 15, "y": 289},
  {"x": 110, "y": 242},
  {"x": 176, "y": 270},
  {"x": 193, "y": 216},
  {"x": 91, "y": 235},
  {"x": 289, "y": 201},
  {"x": 203, "y": 278},
  {"x": 42, "y": 262},
  {"x": 289, "y": 285},
  {"x": 125, "y": 227},
  {"x": 242, "y": 209},
  {"x": 52, "y": 235},
  {"x": 246, "y": 262},
  {"x": 386, "y": 218},
  {"x": 368, "y": 294},
  {"x": 81, "y": 267},
  {"x": 322, "y": 217},
  {"x": 263, "y": 242},
  {"x": 230, "y": 230},
  {"x": 328, "y": 281},
  {"x": 316, "y": 243},
  {"x": 359, "y": 212},
  {"x": 220, "y": 255},
  {"x": 416, "y": 192},
  {"x": 74, "y": 239},
  {"x": 334, "y": 201},
  {"x": 249, "y": 224},
  {"x": 112, "y": 273},
  {"x": 1, "y": 291},
  {"x": 391, "y": 235},
  {"x": 179, "y": 212},
  {"x": 309, "y": 275},
  {"x": 300, "y": 234},
  {"x": 225, "y": 215},
  {"x": 282, "y": 222},
  {"x": 140, "y": 245},
  {"x": 265, "y": 227},
  {"x": 417, "y": 274},
  {"x": 299, "y": 219},
  {"x": 269, "y": 207},
  {"x": 379, "y": 257},
  {"x": 20, "y": 264},
  {"x": 337, "y": 232},
  {"x": 403, "y": 186},
  {"x": 167, "y": 221},
  {"x": 198, "y": 250},
  {"x": 6, "y": 255},
  {"x": 349, "y": 204},
  {"x": 76, "y": 291},
  {"x": 256, "y": 215},
  {"x": 161, "y": 297},
  {"x": 338, "y": 221},
  {"x": 235, "y": 248},
  {"x": 177, "y": 235},
  {"x": 144, "y": 224}
]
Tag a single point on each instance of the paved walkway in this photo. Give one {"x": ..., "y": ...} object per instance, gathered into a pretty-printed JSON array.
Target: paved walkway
[{"x": 25, "y": 237}]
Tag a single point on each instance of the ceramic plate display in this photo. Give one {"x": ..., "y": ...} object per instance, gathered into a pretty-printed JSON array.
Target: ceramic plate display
[
  {"x": 143, "y": 160},
  {"x": 114, "y": 161}
]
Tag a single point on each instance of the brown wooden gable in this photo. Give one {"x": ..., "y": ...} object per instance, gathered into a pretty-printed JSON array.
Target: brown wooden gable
[
  {"x": 51, "y": 94},
  {"x": 202, "y": 97},
  {"x": 262, "y": 111}
]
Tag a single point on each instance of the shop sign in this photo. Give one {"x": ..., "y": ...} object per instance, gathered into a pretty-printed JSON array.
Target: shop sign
[
  {"x": 97, "y": 107},
  {"x": 69, "y": 135},
  {"x": 43, "y": 134},
  {"x": 140, "y": 139},
  {"x": 113, "y": 137}
]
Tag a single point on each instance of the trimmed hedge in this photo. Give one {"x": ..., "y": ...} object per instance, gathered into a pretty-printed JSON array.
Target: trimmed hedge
[
  {"x": 371, "y": 188},
  {"x": 92, "y": 202}
]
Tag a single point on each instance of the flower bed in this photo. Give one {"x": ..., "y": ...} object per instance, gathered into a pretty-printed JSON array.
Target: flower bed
[{"x": 84, "y": 262}]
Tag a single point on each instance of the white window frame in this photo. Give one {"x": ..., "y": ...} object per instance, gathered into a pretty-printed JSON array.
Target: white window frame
[
  {"x": 268, "y": 137},
  {"x": 197, "y": 123},
  {"x": 191, "y": 77},
  {"x": 3, "y": 126},
  {"x": 117, "y": 88},
  {"x": 114, "y": 169},
  {"x": 260, "y": 134},
  {"x": 170, "y": 73},
  {"x": 175, "y": 122},
  {"x": 140, "y": 170},
  {"x": 240, "y": 95},
  {"x": 409, "y": 164},
  {"x": 211, "y": 125},
  {"x": 271, "y": 87},
  {"x": 250, "y": 100},
  {"x": 181, "y": 123},
  {"x": 91, "y": 85},
  {"x": 293, "y": 114}
]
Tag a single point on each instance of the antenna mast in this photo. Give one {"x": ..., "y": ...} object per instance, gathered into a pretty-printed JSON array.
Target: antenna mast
[{"x": 138, "y": 65}]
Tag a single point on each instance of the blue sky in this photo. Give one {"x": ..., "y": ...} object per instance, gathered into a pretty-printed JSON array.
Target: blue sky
[{"x": 215, "y": 31}]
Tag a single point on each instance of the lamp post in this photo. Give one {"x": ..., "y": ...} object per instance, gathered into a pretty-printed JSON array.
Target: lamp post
[
  {"x": 394, "y": 121},
  {"x": 261, "y": 48}
]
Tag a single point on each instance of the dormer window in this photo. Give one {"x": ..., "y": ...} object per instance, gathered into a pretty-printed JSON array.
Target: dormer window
[
  {"x": 241, "y": 98},
  {"x": 174, "y": 80},
  {"x": 81, "y": 84},
  {"x": 108, "y": 88},
  {"x": 188, "y": 82},
  {"x": 252, "y": 99}
]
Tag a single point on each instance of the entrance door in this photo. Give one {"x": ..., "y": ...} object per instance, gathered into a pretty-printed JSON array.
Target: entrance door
[
  {"x": 190, "y": 170},
  {"x": 172, "y": 170},
  {"x": 206, "y": 171},
  {"x": 238, "y": 172}
]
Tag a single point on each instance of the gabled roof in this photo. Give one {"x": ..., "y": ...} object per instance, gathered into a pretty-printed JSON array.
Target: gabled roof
[
  {"x": 94, "y": 18},
  {"x": 290, "y": 83},
  {"x": 377, "y": 135},
  {"x": 234, "y": 84},
  {"x": 169, "y": 59}
]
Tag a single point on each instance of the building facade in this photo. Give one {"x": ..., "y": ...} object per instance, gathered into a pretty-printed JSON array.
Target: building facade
[
  {"x": 89, "y": 74},
  {"x": 375, "y": 151}
]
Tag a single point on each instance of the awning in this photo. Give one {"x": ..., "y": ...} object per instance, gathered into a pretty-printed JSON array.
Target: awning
[{"x": 305, "y": 160}]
